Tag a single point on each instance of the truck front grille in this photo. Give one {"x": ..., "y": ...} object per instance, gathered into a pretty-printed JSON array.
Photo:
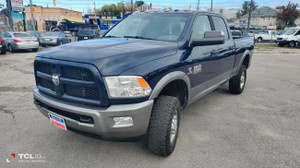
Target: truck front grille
[{"x": 75, "y": 83}]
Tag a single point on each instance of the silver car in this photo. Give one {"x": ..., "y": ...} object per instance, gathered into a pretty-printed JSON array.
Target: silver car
[
  {"x": 19, "y": 41},
  {"x": 54, "y": 39}
]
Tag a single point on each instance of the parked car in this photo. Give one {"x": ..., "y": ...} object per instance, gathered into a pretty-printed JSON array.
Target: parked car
[
  {"x": 268, "y": 35},
  {"x": 35, "y": 34},
  {"x": 54, "y": 39},
  {"x": 20, "y": 41},
  {"x": 138, "y": 78},
  {"x": 290, "y": 37},
  {"x": 2, "y": 46},
  {"x": 87, "y": 34}
]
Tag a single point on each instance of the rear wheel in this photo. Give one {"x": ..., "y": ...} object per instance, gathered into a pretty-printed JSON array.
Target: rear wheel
[
  {"x": 10, "y": 48},
  {"x": 237, "y": 84},
  {"x": 292, "y": 44},
  {"x": 35, "y": 50},
  {"x": 259, "y": 39},
  {"x": 164, "y": 125}
]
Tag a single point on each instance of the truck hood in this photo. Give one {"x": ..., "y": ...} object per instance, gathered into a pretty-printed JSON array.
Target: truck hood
[{"x": 112, "y": 56}]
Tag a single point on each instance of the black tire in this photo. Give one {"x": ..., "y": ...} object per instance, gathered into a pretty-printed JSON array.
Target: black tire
[
  {"x": 259, "y": 39},
  {"x": 10, "y": 48},
  {"x": 237, "y": 84},
  {"x": 280, "y": 45},
  {"x": 35, "y": 50},
  {"x": 160, "y": 140},
  {"x": 3, "y": 50},
  {"x": 44, "y": 46},
  {"x": 292, "y": 44}
]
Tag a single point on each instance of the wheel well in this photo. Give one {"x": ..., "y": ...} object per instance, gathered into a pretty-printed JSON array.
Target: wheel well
[
  {"x": 246, "y": 61},
  {"x": 177, "y": 88}
]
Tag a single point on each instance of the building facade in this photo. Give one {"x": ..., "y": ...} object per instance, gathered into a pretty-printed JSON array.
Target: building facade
[
  {"x": 263, "y": 17},
  {"x": 45, "y": 18}
]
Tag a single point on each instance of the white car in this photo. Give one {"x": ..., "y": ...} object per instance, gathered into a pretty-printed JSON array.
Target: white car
[
  {"x": 268, "y": 35},
  {"x": 290, "y": 37}
]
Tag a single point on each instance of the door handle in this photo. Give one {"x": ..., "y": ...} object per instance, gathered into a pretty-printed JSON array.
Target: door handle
[{"x": 214, "y": 52}]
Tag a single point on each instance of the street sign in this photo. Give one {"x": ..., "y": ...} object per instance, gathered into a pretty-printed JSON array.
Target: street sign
[{"x": 17, "y": 5}]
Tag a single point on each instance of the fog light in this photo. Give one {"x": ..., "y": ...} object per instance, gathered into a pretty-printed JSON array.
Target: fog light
[{"x": 123, "y": 121}]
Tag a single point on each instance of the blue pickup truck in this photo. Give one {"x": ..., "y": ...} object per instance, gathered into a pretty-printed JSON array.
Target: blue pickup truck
[{"x": 138, "y": 78}]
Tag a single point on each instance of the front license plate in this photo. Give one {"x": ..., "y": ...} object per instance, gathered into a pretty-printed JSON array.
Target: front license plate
[
  {"x": 47, "y": 39},
  {"x": 57, "y": 121},
  {"x": 86, "y": 38}
]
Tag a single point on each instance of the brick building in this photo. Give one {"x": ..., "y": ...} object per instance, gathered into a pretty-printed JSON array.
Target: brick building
[{"x": 48, "y": 17}]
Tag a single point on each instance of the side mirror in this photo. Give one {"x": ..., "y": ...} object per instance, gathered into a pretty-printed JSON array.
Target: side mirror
[{"x": 210, "y": 38}]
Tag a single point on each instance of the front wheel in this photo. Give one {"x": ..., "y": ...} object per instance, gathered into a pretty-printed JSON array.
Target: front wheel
[
  {"x": 164, "y": 125},
  {"x": 259, "y": 40},
  {"x": 237, "y": 84}
]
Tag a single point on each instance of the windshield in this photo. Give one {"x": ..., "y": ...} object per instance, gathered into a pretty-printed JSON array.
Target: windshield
[
  {"x": 164, "y": 27},
  {"x": 86, "y": 32},
  {"x": 51, "y": 34},
  {"x": 22, "y": 35},
  {"x": 290, "y": 31}
]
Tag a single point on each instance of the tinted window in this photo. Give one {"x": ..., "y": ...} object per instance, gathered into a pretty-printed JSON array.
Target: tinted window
[
  {"x": 201, "y": 25},
  {"x": 220, "y": 26},
  {"x": 86, "y": 32},
  {"x": 7, "y": 35},
  {"x": 51, "y": 34},
  {"x": 22, "y": 35}
]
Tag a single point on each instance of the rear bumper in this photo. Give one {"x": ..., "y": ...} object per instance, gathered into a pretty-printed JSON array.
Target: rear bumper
[
  {"x": 103, "y": 124},
  {"x": 27, "y": 46},
  {"x": 52, "y": 43}
]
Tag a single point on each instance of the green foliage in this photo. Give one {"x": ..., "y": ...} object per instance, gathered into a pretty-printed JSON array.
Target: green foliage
[
  {"x": 287, "y": 15},
  {"x": 246, "y": 8},
  {"x": 139, "y": 3}
]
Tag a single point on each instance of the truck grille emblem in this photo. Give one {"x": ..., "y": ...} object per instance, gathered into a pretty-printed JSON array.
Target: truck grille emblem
[{"x": 55, "y": 79}]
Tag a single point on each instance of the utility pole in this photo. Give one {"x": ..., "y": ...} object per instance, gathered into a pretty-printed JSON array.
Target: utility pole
[
  {"x": 198, "y": 4},
  {"x": 211, "y": 5},
  {"x": 32, "y": 19},
  {"x": 131, "y": 3},
  {"x": 249, "y": 16},
  {"x": 95, "y": 13},
  {"x": 8, "y": 3}
]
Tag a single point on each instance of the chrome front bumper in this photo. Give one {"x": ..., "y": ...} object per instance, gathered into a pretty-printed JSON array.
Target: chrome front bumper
[{"x": 103, "y": 123}]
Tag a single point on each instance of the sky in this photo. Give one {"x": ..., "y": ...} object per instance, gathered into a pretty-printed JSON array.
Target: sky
[{"x": 83, "y": 5}]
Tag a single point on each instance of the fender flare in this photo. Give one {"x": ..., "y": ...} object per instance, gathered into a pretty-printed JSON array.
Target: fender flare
[
  {"x": 247, "y": 52},
  {"x": 177, "y": 75}
]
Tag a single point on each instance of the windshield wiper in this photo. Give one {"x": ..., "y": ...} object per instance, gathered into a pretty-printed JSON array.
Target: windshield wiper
[
  {"x": 110, "y": 36},
  {"x": 138, "y": 37}
]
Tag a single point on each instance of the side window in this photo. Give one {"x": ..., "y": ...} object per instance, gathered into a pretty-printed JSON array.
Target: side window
[
  {"x": 201, "y": 25},
  {"x": 220, "y": 26},
  {"x": 298, "y": 33}
]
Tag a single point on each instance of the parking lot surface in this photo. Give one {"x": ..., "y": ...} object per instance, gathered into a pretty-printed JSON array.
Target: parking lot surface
[{"x": 259, "y": 128}]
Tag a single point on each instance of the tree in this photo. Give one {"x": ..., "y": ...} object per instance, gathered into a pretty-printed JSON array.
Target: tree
[
  {"x": 287, "y": 15},
  {"x": 110, "y": 10},
  {"x": 139, "y": 3},
  {"x": 246, "y": 8}
]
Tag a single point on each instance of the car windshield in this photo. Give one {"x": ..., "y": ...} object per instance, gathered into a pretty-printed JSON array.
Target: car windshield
[
  {"x": 51, "y": 34},
  {"x": 86, "y": 32},
  {"x": 291, "y": 31},
  {"x": 22, "y": 35},
  {"x": 164, "y": 27}
]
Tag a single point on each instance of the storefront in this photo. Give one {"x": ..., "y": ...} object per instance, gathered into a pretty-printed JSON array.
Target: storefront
[{"x": 4, "y": 21}]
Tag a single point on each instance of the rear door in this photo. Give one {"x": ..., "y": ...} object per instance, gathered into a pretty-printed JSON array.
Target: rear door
[{"x": 226, "y": 51}]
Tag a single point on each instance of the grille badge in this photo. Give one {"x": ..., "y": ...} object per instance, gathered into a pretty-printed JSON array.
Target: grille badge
[{"x": 55, "y": 79}]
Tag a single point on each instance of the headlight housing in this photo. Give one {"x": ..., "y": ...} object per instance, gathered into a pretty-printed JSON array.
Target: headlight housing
[{"x": 127, "y": 87}]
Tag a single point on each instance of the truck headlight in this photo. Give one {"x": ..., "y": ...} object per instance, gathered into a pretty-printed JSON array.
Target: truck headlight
[{"x": 127, "y": 86}]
